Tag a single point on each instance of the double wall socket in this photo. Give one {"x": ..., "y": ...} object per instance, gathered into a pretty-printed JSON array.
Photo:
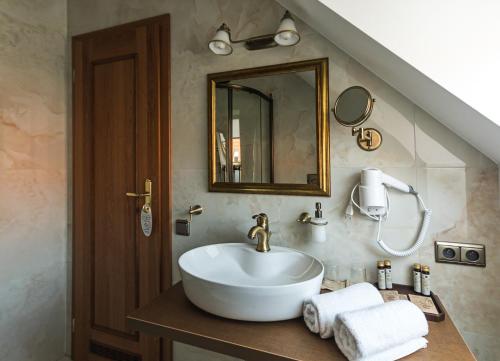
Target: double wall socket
[{"x": 461, "y": 253}]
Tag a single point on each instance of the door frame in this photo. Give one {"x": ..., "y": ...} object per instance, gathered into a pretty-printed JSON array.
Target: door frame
[{"x": 165, "y": 176}]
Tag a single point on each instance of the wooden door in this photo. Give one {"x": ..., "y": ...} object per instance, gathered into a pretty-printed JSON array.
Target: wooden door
[{"x": 121, "y": 137}]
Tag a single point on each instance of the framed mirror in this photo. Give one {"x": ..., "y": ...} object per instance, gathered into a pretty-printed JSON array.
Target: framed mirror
[
  {"x": 352, "y": 108},
  {"x": 269, "y": 130}
]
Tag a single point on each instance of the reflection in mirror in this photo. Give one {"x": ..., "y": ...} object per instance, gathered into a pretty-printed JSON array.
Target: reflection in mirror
[
  {"x": 244, "y": 129},
  {"x": 353, "y": 106},
  {"x": 264, "y": 129}
]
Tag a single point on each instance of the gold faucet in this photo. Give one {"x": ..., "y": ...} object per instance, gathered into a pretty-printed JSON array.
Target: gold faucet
[{"x": 261, "y": 230}]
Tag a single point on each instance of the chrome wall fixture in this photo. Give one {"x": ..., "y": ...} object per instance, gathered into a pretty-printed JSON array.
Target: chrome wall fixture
[
  {"x": 194, "y": 210},
  {"x": 183, "y": 226},
  {"x": 286, "y": 35}
]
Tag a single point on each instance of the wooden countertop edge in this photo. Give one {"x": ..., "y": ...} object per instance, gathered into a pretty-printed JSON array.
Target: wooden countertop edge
[
  {"x": 203, "y": 341},
  {"x": 153, "y": 320},
  {"x": 460, "y": 335}
]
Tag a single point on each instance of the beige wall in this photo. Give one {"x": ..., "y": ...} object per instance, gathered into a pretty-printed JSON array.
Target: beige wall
[
  {"x": 32, "y": 179},
  {"x": 458, "y": 182}
]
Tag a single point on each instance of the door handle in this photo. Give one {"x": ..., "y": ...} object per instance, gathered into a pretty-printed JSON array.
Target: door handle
[
  {"x": 147, "y": 193},
  {"x": 130, "y": 194},
  {"x": 146, "y": 212}
]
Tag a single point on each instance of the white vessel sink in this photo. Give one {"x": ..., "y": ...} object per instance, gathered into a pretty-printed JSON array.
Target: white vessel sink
[{"x": 233, "y": 280}]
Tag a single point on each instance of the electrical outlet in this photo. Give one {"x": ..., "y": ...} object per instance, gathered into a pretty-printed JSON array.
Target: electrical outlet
[
  {"x": 473, "y": 255},
  {"x": 447, "y": 252},
  {"x": 461, "y": 253}
]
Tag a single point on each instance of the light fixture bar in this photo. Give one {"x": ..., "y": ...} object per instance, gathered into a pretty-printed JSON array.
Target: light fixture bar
[{"x": 286, "y": 35}]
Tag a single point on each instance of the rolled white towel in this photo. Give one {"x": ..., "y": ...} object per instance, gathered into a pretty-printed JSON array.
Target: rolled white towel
[
  {"x": 363, "y": 334},
  {"x": 397, "y": 352},
  {"x": 321, "y": 310}
]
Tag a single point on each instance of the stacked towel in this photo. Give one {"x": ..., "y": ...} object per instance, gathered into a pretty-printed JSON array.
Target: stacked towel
[
  {"x": 320, "y": 311},
  {"x": 384, "y": 332},
  {"x": 397, "y": 352}
]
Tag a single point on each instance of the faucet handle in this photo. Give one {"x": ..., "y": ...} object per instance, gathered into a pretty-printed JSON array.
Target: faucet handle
[
  {"x": 263, "y": 215},
  {"x": 262, "y": 219}
]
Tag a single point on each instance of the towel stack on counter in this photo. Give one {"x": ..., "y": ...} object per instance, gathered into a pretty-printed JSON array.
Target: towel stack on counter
[{"x": 365, "y": 328}]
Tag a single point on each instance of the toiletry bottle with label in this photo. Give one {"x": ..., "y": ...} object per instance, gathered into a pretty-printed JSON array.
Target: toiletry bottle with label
[
  {"x": 318, "y": 225},
  {"x": 426, "y": 281},
  {"x": 417, "y": 283},
  {"x": 388, "y": 274},
  {"x": 381, "y": 275}
]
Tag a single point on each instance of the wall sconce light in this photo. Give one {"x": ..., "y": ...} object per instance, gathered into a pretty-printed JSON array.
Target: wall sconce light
[{"x": 286, "y": 35}]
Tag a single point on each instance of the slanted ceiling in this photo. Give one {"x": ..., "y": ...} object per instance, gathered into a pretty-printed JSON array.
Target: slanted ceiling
[{"x": 462, "y": 97}]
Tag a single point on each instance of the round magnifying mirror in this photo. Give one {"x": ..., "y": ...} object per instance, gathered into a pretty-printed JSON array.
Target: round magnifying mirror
[{"x": 353, "y": 106}]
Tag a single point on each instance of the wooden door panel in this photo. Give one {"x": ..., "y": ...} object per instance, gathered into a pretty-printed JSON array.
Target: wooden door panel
[
  {"x": 114, "y": 42},
  {"x": 121, "y": 131},
  {"x": 114, "y": 251}
]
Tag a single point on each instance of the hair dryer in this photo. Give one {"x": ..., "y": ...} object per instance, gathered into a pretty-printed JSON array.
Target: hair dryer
[{"x": 374, "y": 202}]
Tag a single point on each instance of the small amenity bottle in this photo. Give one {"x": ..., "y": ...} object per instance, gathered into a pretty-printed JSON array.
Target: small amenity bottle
[
  {"x": 426, "y": 281},
  {"x": 388, "y": 274},
  {"x": 417, "y": 283},
  {"x": 381, "y": 275}
]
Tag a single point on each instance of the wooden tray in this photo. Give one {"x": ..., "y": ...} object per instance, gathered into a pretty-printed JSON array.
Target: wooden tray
[{"x": 408, "y": 290}]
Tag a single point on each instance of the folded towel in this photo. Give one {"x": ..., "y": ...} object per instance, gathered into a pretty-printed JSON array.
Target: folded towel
[
  {"x": 321, "y": 310},
  {"x": 365, "y": 333},
  {"x": 397, "y": 352}
]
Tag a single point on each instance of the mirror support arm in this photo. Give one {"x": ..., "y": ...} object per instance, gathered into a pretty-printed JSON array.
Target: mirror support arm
[{"x": 368, "y": 139}]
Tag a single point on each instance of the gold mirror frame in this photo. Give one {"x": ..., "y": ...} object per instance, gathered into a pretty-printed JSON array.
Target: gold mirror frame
[
  {"x": 366, "y": 114},
  {"x": 320, "y": 67}
]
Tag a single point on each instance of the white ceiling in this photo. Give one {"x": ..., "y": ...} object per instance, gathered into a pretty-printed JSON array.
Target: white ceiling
[{"x": 443, "y": 56}]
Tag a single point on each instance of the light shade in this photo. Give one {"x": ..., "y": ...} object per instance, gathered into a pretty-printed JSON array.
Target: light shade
[
  {"x": 221, "y": 42},
  {"x": 287, "y": 34}
]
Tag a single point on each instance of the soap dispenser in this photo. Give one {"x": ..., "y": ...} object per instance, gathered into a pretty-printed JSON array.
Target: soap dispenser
[{"x": 318, "y": 225}]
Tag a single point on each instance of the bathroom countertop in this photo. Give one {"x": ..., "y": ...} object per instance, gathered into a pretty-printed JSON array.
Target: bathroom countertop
[{"x": 173, "y": 316}]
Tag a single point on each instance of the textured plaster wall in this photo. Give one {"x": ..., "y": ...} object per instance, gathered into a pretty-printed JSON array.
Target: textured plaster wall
[
  {"x": 33, "y": 212},
  {"x": 458, "y": 182}
]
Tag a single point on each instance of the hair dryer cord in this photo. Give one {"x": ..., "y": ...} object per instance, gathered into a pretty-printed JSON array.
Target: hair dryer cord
[
  {"x": 423, "y": 229},
  {"x": 420, "y": 239}
]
